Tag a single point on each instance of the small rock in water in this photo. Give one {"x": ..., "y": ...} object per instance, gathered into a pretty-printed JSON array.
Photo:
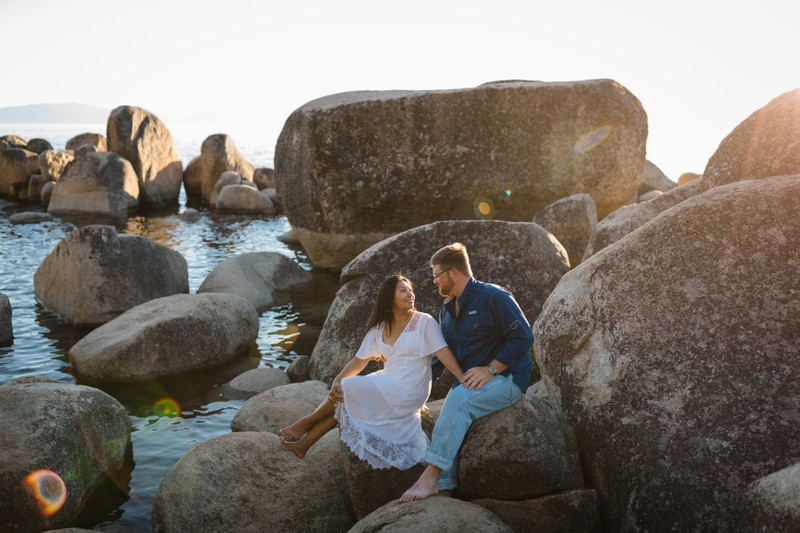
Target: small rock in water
[
  {"x": 190, "y": 214},
  {"x": 30, "y": 217}
]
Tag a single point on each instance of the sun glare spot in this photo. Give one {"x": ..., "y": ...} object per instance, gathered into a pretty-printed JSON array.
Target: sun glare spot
[
  {"x": 166, "y": 407},
  {"x": 507, "y": 193},
  {"x": 483, "y": 208},
  {"x": 49, "y": 490},
  {"x": 591, "y": 140}
]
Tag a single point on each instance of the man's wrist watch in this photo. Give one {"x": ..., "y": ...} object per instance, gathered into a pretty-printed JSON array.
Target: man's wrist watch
[{"x": 492, "y": 370}]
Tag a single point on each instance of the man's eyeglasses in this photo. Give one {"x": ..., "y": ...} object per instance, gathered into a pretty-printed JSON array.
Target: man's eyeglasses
[{"x": 436, "y": 276}]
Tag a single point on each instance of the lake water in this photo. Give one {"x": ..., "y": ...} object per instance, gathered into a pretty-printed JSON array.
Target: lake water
[{"x": 42, "y": 340}]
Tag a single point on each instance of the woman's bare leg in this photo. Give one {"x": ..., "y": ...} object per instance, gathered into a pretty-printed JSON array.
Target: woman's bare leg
[
  {"x": 315, "y": 432},
  {"x": 303, "y": 425}
]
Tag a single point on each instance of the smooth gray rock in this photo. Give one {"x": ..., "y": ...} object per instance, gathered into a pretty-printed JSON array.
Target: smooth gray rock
[
  {"x": 654, "y": 180},
  {"x": 94, "y": 274},
  {"x": 95, "y": 139},
  {"x": 772, "y": 503},
  {"x": 243, "y": 198},
  {"x": 436, "y": 514},
  {"x": 30, "y": 217},
  {"x": 167, "y": 336},
  {"x": 572, "y": 221},
  {"x": 672, "y": 354},
  {"x": 767, "y": 143},
  {"x": 520, "y": 256},
  {"x": 218, "y": 154},
  {"x": 631, "y": 217},
  {"x": 6, "y": 326},
  {"x": 278, "y": 407},
  {"x": 255, "y": 381},
  {"x": 258, "y": 277},
  {"x": 571, "y": 511},
  {"x": 244, "y": 482},
  {"x": 355, "y": 168},
  {"x": 100, "y": 183},
  {"x": 141, "y": 138},
  {"x": 518, "y": 453},
  {"x": 229, "y": 177},
  {"x": 79, "y": 433},
  {"x": 298, "y": 369}
]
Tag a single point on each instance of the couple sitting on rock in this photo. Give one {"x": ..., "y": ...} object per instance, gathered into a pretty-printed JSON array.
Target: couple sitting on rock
[{"x": 482, "y": 337}]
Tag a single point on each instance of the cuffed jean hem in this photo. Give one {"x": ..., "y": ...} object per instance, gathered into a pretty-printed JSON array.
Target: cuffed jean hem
[{"x": 461, "y": 408}]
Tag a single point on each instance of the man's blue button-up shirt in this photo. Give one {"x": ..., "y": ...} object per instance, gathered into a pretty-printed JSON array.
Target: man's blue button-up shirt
[{"x": 490, "y": 325}]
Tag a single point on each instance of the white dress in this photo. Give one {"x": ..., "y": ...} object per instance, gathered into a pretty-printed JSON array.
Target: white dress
[{"x": 380, "y": 416}]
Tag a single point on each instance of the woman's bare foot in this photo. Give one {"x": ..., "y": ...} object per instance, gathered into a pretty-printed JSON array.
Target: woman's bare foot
[
  {"x": 295, "y": 432},
  {"x": 425, "y": 486},
  {"x": 296, "y": 447}
]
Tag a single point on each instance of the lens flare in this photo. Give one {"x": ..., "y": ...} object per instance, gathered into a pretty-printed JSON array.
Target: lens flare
[
  {"x": 166, "y": 407},
  {"x": 49, "y": 490},
  {"x": 507, "y": 193},
  {"x": 591, "y": 140},
  {"x": 483, "y": 208}
]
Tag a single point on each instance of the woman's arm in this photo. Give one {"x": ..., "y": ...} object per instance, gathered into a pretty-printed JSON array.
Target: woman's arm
[
  {"x": 448, "y": 359},
  {"x": 352, "y": 368}
]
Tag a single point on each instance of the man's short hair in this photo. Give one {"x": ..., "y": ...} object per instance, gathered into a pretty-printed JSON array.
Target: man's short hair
[{"x": 453, "y": 256}]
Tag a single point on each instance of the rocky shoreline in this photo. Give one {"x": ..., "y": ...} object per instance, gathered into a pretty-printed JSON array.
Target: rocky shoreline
[{"x": 666, "y": 316}]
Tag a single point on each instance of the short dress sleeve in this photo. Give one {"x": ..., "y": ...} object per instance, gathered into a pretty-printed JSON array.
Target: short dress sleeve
[
  {"x": 431, "y": 337},
  {"x": 369, "y": 346}
]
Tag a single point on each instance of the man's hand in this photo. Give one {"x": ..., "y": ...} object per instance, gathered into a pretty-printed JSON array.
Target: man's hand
[
  {"x": 474, "y": 378},
  {"x": 336, "y": 395}
]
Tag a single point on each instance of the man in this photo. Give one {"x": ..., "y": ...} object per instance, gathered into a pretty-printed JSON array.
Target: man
[{"x": 490, "y": 336}]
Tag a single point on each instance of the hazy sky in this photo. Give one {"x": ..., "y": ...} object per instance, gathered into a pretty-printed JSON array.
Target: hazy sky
[{"x": 698, "y": 67}]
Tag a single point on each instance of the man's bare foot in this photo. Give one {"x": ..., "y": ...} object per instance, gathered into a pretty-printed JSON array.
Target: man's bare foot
[
  {"x": 296, "y": 447},
  {"x": 295, "y": 432}
]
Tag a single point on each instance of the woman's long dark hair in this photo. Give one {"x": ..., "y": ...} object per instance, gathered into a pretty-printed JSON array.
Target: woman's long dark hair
[{"x": 383, "y": 310}]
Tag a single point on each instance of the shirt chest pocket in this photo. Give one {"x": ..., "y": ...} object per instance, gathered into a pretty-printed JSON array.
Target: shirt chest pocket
[{"x": 477, "y": 322}]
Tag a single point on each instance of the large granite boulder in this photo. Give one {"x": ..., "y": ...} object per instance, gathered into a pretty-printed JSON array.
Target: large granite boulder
[
  {"x": 571, "y": 220},
  {"x": 765, "y": 144},
  {"x": 437, "y": 514},
  {"x": 673, "y": 355},
  {"x": 244, "y": 482},
  {"x": 772, "y": 503},
  {"x": 167, "y": 336},
  {"x": 631, "y": 217},
  {"x": 99, "y": 182},
  {"x": 6, "y": 329},
  {"x": 258, "y": 277},
  {"x": 571, "y": 511},
  {"x": 218, "y": 154},
  {"x": 94, "y": 139},
  {"x": 94, "y": 274},
  {"x": 58, "y": 444},
  {"x": 16, "y": 167},
  {"x": 518, "y": 453},
  {"x": 141, "y": 138},
  {"x": 355, "y": 168},
  {"x": 520, "y": 256},
  {"x": 279, "y": 406}
]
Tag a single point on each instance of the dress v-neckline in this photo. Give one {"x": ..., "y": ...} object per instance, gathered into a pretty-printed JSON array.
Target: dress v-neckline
[{"x": 383, "y": 328}]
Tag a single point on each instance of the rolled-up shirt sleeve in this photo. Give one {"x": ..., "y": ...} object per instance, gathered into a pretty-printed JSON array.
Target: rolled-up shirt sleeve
[{"x": 516, "y": 329}]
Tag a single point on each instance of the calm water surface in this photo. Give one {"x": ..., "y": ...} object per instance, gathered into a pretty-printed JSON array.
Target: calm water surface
[{"x": 159, "y": 437}]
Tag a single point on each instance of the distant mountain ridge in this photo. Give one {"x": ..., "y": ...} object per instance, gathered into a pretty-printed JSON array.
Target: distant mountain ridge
[{"x": 54, "y": 113}]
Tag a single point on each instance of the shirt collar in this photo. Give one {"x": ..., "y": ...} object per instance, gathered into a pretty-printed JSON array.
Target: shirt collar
[{"x": 465, "y": 294}]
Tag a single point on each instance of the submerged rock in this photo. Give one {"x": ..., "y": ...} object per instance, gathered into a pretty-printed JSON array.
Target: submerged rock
[
  {"x": 69, "y": 438},
  {"x": 167, "y": 336},
  {"x": 93, "y": 275}
]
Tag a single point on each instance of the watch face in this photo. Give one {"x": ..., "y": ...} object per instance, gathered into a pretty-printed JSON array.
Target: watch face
[{"x": 492, "y": 370}]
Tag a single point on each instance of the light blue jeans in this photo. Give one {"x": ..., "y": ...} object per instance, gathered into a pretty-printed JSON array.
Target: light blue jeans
[{"x": 461, "y": 408}]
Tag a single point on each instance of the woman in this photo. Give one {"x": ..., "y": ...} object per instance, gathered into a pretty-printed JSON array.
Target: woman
[{"x": 379, "y": 412}]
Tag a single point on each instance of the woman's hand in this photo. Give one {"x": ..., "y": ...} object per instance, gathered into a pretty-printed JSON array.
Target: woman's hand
[
  {"x": 336, "y": 395},
  {"x": 474, "y": 378},
  {"x": 378, "y": 358}
]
